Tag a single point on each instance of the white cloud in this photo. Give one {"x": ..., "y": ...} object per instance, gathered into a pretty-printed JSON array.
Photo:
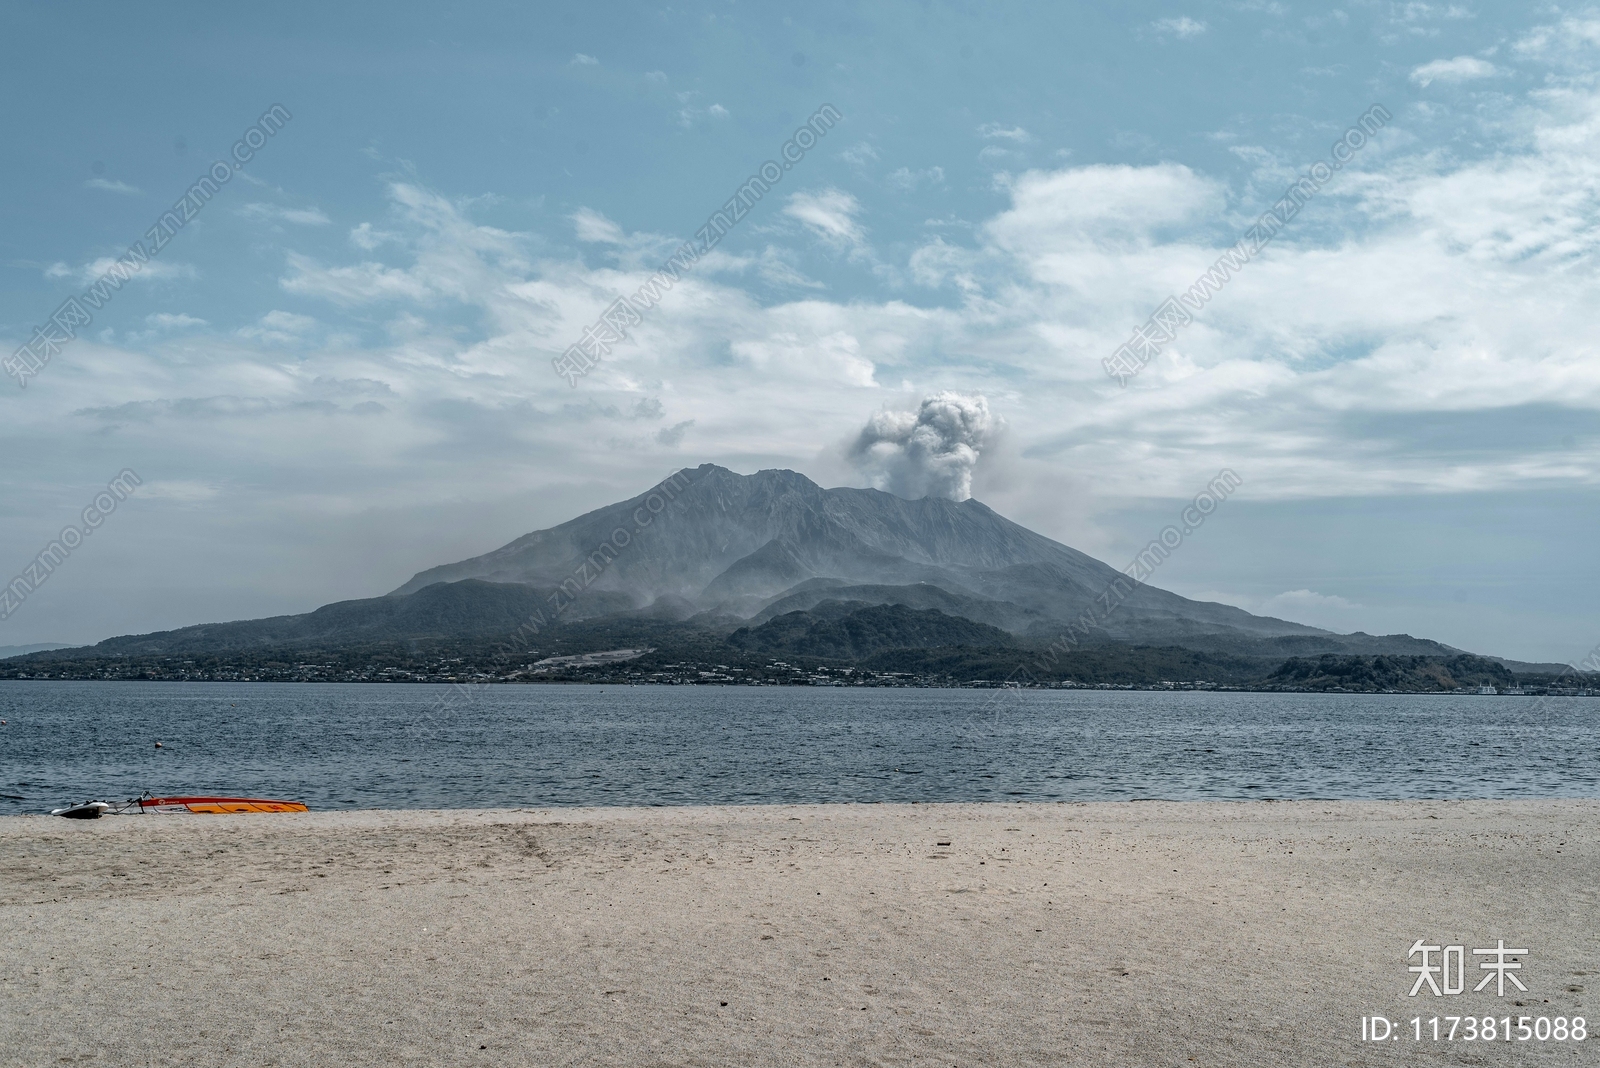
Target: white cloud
[
  {"x": 907, "y": 179},
  {"x": 1053, "y": 214},
  {"x": 91, "y": 272},
  {"x": 1440, "y": 280},
  {"x": 1459, "y": 69},
  {"x": 168, "y": 321},
  {"x": 111, "y": 185},
  {"x": 1328, "y": 611},
  {"x": 280, "y": 328},
  {"x": 672, "y": 436},
  {"x": 774, "y": 267},
  {"x": 178, "y": 490},
  {"x": 452, "y": 256},
  {"x": 161, "y": 325},
  {"x": 593, "y": 227},
  {"x": 995, "y": 156},
  {"x": 299, "y": 216},
  {"x": 831, "y": 215},
  {"x": 1574, "y": 34},
  {"x": 690, "y": 113},
  {"x": 936, "y": 263},
  {"x": 364, "y": 236},
  {"x": 995, "y": 131},
  {"x": 1306, "y": 600},
  {"x": 1414, "y": 18},
  {"x": 357, "y": 284},
  {"x": 1182, "y": 26},
  {"x": 1437, "y": 297},
  {"x": 859, "y": 154},
  {"x": 581, "y": 60}
]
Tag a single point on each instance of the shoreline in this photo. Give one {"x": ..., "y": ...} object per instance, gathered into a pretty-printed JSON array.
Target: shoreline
[
  {"x": 1388, "y": 809},
  {"x": 378, "y": 812},
  {"x": 1533, "y": 690},
  {"x": 1231, "y": 932}
]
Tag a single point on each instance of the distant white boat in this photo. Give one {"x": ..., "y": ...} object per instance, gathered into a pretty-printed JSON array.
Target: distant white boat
[{"x": 1490, "y": 690}]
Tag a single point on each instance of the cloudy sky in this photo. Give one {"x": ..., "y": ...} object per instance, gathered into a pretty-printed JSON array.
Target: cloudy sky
[{"x": 338, "y": 371}]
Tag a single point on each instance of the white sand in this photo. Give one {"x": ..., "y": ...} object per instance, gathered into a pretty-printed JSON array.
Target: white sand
[{"x": 1117, "y": 934}]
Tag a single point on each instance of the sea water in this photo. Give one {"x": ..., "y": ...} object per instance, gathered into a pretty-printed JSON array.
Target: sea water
[{"x": 420, "y": 746}]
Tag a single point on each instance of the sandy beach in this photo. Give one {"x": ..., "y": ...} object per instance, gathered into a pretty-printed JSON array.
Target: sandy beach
[{"x": 1123, "y": 933}]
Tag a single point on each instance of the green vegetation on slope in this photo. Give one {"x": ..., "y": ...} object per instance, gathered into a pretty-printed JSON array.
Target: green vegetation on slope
[{"x": 1406, "y": 673}]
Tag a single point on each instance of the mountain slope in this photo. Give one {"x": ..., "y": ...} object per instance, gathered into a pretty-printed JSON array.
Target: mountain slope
[
  {"x": 731, "y": 542},
  {"x": 469, "y": 609},
  {"x": 807, "y": 594},
  {"x": 1371, "y": 674},
  {"x": 842, "y": 630}
]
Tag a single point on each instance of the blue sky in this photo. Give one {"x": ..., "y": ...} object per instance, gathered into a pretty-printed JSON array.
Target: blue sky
[{"x": 338, "y": 373}]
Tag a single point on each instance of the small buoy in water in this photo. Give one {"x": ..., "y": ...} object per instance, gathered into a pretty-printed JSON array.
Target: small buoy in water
[{"x": 158, "y": 745}]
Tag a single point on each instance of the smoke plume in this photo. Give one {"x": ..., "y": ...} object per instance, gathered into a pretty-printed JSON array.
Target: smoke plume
[{"x": 929, "y": 452}]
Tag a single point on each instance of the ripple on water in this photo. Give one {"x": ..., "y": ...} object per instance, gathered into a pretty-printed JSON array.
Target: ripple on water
[{"x": 366, "y": 746}]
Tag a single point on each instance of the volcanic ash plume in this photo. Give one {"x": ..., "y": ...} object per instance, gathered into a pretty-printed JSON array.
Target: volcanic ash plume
[{"x": 929, "y": 452}]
